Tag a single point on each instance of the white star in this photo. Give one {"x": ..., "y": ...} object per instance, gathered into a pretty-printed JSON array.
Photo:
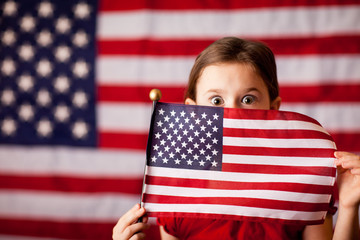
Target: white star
[
  {"x": 208, "y": 158},
  {"x": 196, "y": 157},
  {"x": 184, "y": 144},
  {"x": 167, "y": 149},
  {"x": 80, "y": 129},
  {"x": 8, "y": 67},
  {"x": 26, "y": 112},
  {"x": 177, "y": 119},
  {"x": 44, "y": 128},
  {"x": 171, "y": 155},
  {"x": 153, "y": 159},
  {"x": 177, "y": 150},
  {"x": 9, "y": 8},
  {"x": 189, "y": 162},
  {"x": 62, "y": 53},
  {"x": 44, "y": 38},
  {"x": 178, "y": 138},
  {"x": 27, "y": 23},
  {"x": 166, "y": 118},
  {"x": 196, "y": 145},
  {"x": 165, "y": 130},
  {"x": 214, "y": 164},
  {"x": 176, "y": 131},
  {"x": 202, "y": 128},
  {"x": 171, "y": 125},
  {"x": 190, "y": 139},
  {"x": 26, "y": 82},
  {"x": 215, "y": 141},
  {"x": 161, "y": 112},
  {"x": 82, "y": 10},
  {"x": 215, "y": 116},
  {"x": 63, "y": 25},
  {"x": 204, "y": 115},
  {"x": 156, "y": 147},
  {"x": 202, "y": 163},
  {"x": 191, "y": 127},
  {"x": 182, "y": 114},
  {"x": 45, "y": 9},
  {"x": 80, "y": 39},
  {"x": 196, "y": 133},
  {"x": 165, "y": 160},
  {"x": 62, "y": 113},
  {"x": 192, "y": 114},
  {"x": 159, "y": 123},
  {"x": 158, "y": 135},
  {"x": 26, "y": 52},
  {"x": 8, "y": 126},
  {"x": 202, "y": 151},
  {"x": 162, "y": 142},
  {"x": 172, "y": 113},
  {"x": 208, "y": 146},
  {"x": 197, "y": 121},
  {"x": 173, "y": 143},
  {"x": 183, "y": 156},
  {"x": 208, "y": 134},
  {"x": 209, "y": 122},
  {"x": 189, "y": 150},
  {"x": 214, "y": 152},
  {"x": 62, "y": 84},
  {"x": 80, "y": 99},
  {"x": 185, "y": 132},
  {"x": 215, "y": 129},
  {"x": 177, "y": 161},
  {"x": 8, "y": 37},
  {"x": 169, "y": 137},
  {"x": 44, "y": 68},
  {"x": 160, "y": 153},
  {"x": 80, "y": 69},
  {"x": 7, "y": 97},
  {"x": 43, "y": 98},
  {"x": 181, "y": 126}
]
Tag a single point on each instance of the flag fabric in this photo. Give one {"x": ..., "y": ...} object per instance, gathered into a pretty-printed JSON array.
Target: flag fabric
[
  {"x": 74, "y": 84},
  {"x": 238, "y": 164}
]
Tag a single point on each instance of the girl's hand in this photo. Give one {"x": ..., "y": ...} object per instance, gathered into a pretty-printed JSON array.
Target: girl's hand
[
  {"x": 128, "y": 228},
  {"x": 348, "y": 167}
]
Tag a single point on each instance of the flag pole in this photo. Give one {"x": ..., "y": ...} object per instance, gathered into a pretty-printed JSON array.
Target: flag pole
[{"x": 155, "y": 96}]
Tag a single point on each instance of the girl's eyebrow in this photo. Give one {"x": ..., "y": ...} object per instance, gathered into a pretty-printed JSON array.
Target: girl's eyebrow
[{"x": 216, "y": 90}]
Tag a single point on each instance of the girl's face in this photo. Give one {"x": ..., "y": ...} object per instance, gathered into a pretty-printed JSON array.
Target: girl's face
[{"x": 232, "y": 85}]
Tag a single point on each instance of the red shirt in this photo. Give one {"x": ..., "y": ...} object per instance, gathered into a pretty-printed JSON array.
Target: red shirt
[{"x": 207, "y": 229}]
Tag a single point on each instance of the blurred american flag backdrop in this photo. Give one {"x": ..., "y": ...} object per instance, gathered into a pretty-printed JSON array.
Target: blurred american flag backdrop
[{"x": 74, "y": 84}]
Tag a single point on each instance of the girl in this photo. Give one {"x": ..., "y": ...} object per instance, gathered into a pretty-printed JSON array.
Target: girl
[{"x": 236, "y": 73}]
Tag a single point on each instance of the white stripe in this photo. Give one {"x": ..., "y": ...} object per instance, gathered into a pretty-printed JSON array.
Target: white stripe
[
  {"x": 334, "y": 117},
  {"x": 212, "y": 24},
  {"x": 71, "y": 161},
  {"x": 127, "y": 117},
  {"x": 278, "y": 143},
  {"x": 278, "y": 161},
  {"x": 235, "y": 210},
  {"x": 238, "y": 177},
  {"x": 271, "y": 124},
  {"x": 331, "y": 116},
  {"x": 259, "y": 194},
  {"x": 174, "y": 71},
  {"x": 65, "y": 206}
]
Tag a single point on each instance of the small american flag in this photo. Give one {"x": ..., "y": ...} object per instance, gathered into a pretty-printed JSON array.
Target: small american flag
[{"x": 238, "y": 164}]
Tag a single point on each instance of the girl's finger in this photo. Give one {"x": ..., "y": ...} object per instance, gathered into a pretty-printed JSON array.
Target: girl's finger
[{"x": 129, "y": 218}]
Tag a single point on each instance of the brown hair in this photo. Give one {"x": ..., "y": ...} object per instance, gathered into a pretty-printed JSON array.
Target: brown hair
[{"x": 236, "y": 50}]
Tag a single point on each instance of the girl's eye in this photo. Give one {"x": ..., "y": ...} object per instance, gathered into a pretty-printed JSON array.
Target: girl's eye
[
  {"x": 248, "y": 99},
  {"x": 216, "y": 101}
]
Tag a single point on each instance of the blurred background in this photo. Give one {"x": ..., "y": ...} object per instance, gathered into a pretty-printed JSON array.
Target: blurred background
[{"x": 75, "y": 78}]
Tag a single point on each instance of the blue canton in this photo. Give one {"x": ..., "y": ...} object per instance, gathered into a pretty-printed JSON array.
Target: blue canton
[{"x": 185, "y": 136}]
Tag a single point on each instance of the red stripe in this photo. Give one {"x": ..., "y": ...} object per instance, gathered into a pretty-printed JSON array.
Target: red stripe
[
  {"x": 256, "y": 114},
  {"x": 130, "y": 185},
  {"x": 230, "y": 217},
  {"x": 347, "y": 141},
  {"x": 273, "y": 169},
  {"x": 64, "y": 229},
  {"x": 343, "y": 44},
  {"x": 321, "y": 93},
  {"x": 271, "y": 133},
  {"x": 109, "y": 5},
  {"x": 290, "y": 152},
  {"x": 237, "y": 201},
  {"x": 139, "y": 93},
  {"x": 122, "y": 140},
  {"x": 231, "y": 185},
  {"x": 175, "y": 94}
]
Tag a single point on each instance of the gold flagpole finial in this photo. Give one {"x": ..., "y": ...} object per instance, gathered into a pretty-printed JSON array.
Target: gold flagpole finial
[{"x": 155, "y": 95}]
